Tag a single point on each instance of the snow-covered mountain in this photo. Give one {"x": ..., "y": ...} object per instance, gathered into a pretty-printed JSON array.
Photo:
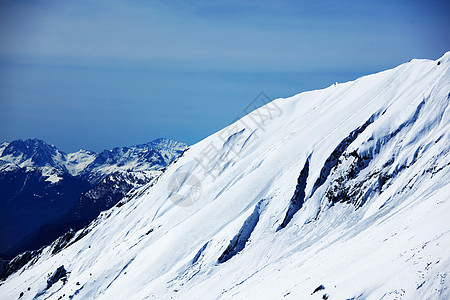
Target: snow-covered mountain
[
  {"x": 340, "y": 193},
  {"x": 45, "y": 192},
  {"x": 141, "y": 158},
  {"x": 34, "y": 153}
]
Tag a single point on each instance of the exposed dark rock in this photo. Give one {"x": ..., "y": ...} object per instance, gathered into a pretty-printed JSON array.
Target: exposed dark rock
[
  {"x": 237, "y": 244},
  {"x": 199, "y": 253},
  {"x": 348, "y": 165},
  {"x": 317, "y": 289},
  {"x": 62, "y": 241},
  {"x": 333, "y": 159},
  {"x": 299, "y": 195},
  {"x": 18, "y": 262},
  {"x": 59, "y": 274}
]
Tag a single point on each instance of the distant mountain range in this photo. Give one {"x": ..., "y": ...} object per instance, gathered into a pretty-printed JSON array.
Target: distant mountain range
[{"x": 45, "y": 192}]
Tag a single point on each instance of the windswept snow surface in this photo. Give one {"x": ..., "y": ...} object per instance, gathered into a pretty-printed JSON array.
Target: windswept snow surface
[{"x": 357, "y": 172}]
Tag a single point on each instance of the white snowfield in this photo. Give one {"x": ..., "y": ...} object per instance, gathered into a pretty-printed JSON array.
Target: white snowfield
[{"x": 343, "y": 190}]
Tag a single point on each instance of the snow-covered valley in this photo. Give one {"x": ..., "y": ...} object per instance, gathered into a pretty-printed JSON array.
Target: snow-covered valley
[{"x": 340, "y": 193}]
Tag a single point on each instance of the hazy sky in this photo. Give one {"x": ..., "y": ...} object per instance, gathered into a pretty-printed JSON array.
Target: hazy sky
[{"x": 98, "y": 74}]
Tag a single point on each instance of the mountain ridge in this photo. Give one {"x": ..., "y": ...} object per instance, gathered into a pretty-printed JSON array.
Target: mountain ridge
[{"x": 37, "y": 153}]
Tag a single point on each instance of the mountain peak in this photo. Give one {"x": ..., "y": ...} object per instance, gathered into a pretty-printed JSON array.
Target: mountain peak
[
  {"x": 32, "y": 152},
  {"x": 144, "y": 157},
  {"x": 37, "y": 153},
  {"x": 165, "y": 143}
]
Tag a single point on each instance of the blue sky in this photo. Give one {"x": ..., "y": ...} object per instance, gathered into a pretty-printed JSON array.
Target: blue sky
[{"x": 100, "y": 74}]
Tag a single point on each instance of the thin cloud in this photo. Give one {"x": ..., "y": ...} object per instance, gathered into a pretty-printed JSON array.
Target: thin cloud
[{"x": 209, "y": 35}]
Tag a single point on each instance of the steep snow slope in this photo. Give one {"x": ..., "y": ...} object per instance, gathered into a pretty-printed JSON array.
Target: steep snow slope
[{"x": 340, "y": 192}]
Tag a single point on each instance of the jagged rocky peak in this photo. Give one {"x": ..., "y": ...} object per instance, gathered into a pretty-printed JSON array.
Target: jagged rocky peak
[
  {"x": 163, "y": 143},
  {"x": 159, "y": 152},
  {"x": 78, "y": 161},
  {"x": 33, "y": 152},
  {"x": 37, "y": 153}
]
